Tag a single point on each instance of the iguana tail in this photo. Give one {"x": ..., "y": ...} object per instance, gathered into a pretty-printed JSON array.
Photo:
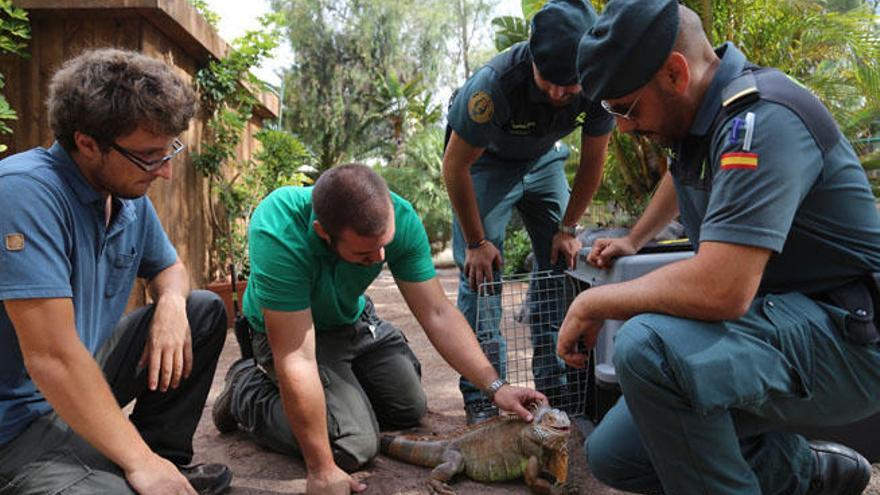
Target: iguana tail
[{"x": 423, "y": 451}]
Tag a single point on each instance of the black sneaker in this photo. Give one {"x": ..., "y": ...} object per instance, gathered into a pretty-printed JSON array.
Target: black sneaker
[
  {"x": 479, "y": 410},
  {"x": 838, "y": 470},
  {"x": 207, "y": 479},
  {"x": 345, "y": 461},
  {"x": 221, "y": 413}
]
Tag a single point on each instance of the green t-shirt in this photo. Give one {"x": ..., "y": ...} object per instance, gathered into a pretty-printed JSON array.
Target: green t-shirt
[{"x": 292, "y": 269}]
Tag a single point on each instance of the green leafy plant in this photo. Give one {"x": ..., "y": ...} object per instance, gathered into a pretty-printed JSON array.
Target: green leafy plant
[
  {"x": 276, "y": 164},
  {"x": 517, "y": 247},
  {"x": 871, "y": 162},
  {"x": 281, "y": 159},
  {"x": 509, "y": 30},
  {"x": 402, "y": 109},
  {"x": 354, "y": 60},
  {"x": 419, "y": 179},
  {"x": 226, "y": 89},
  {"x": 15, "y": 33},
  {"x": 210, "y": 16}
]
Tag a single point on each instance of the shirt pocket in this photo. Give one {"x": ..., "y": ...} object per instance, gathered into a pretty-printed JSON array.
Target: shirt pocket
[{"x": 120, "y": 272}]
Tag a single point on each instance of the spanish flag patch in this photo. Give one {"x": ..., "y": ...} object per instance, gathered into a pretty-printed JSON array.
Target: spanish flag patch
[{"x": 739, "y": 160}]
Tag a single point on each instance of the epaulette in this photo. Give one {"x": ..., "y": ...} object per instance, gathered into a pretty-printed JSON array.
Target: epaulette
[{"x": 740, "y": 89}]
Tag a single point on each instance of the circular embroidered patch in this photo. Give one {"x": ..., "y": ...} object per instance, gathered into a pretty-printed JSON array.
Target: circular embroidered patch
[{"x": 480, "y": 107}]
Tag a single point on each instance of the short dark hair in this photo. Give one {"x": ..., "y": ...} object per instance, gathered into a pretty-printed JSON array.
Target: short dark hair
[
  {"x": 352, "y": 196},
  {"x": 108, "y": 93}
]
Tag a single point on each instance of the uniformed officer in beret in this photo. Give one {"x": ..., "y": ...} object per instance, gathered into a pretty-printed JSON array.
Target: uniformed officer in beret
[
  {"x": 771, "y": 324},
  {"x": 503, "y": 152}
]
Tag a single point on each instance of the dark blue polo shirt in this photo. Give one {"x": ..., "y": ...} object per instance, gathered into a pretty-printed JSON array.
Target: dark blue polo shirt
[
  {"x": 53, "y": 244},
  {"x": 814, "y": 210},
  {"x": 500, "y": 108}
]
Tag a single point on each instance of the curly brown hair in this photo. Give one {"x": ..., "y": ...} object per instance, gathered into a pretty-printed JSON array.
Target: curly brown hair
[{"x": 108, "y": 93}]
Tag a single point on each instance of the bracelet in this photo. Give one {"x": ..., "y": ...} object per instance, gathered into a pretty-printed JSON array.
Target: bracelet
[
  {"x": 475, "y": 245},
  {"x": 494, "y": 387},
  {"x": 570, "y": 230}
]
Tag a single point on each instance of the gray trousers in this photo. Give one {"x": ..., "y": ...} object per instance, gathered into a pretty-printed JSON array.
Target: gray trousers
[
  {"x": 705, "y": 403},
  {"x": 371, "y": 380},
  {"x": 49, "y": 457},
  {"x": 539, "y": 191}
]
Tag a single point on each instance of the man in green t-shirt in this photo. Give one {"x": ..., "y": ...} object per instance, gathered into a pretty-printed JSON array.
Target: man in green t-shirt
[{"x": 323, "y": 361}]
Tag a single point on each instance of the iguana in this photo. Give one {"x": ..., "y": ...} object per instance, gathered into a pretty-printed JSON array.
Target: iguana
[{"x": 500, "y": 449}]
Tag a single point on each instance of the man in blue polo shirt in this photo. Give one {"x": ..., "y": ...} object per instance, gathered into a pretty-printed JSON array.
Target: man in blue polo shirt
[
  {"x": 772, "y": 324},
  {"x": 76, "y": 230},
  {"x": 504, "y": 152}
]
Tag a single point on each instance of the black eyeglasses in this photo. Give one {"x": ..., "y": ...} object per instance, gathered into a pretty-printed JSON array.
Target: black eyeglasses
[
  {"x": 621, "y": 112},
  {"x": 150, "y": 165}
]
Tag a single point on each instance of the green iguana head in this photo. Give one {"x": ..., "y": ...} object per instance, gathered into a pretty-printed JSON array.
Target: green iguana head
[{"x": 550, "y": 427}]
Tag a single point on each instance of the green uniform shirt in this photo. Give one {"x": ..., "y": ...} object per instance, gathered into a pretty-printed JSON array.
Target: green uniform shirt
[{"x": 292, "y": 269}]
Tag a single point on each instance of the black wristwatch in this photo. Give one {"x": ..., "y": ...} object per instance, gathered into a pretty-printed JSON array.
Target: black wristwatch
[{"x": 475, "y": 245}]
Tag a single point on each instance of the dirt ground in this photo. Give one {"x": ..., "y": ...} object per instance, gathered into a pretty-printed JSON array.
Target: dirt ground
[{"x": 262, "y": 472}]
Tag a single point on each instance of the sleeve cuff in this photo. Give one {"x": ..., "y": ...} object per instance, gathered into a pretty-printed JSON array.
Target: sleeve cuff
[{"x": 747, "y": 236}]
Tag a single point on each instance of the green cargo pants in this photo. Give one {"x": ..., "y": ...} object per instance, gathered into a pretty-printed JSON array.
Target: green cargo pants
[{"x": 371, "y": 380}]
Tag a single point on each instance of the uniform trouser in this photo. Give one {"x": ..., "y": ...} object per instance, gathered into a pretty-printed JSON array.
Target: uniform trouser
[
  {"x": 704, "y": 403},
  {"x": 49, "y": 457},
  {"x": 539, "y": 191},
  {"x": 371, "y": 378}
]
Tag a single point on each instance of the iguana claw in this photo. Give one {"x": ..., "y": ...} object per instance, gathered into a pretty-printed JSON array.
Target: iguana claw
[
  {"x": 565, "y": 489},
  {"x": 440, "y": 488}
]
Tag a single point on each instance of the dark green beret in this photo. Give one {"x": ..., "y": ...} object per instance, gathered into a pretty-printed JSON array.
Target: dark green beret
[
  {"x": 625, "y": 48},
  {"x": 556, "y": 30}
]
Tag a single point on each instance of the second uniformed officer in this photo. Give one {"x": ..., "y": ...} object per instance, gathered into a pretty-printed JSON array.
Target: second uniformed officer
[
  {"x": 504, "y": 152},
  {"x": 770, "y": 326}
]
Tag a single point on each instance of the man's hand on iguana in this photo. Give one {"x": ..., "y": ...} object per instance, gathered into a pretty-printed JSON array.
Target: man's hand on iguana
[{"x": 518, "y": 399}]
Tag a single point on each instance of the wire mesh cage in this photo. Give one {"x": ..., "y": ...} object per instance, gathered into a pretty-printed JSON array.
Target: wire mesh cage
[{"x": 518, "y": 320}]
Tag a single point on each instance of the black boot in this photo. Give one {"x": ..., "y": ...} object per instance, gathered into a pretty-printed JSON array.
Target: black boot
[
  {"x": 838, "y": 470},
  {"x": 208, "y": 479},
  {"x": 221, "y": 413},
  {"x": 479, "y": 410}
]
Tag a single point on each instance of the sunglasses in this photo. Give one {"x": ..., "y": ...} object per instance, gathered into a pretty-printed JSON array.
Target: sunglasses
[
  {"x": 617, "y": 111},
  {"x": 149, "y": 165}
]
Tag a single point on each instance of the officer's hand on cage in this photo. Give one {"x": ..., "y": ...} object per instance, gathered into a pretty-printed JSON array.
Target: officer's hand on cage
[
  {"x": 605, "y": 250},
  {"x": 479, "y": 264},
  {"x": 566, "y": 246},
  {"x": 577, "y": 325}
]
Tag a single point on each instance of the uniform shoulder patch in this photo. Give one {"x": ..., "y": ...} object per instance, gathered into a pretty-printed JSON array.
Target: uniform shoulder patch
[
  {"x": 14, "y": 242},
  {"x": 480, "y": 107},
  {"x": 739, "y": 160},
  {"x": 738, "y": 88}
]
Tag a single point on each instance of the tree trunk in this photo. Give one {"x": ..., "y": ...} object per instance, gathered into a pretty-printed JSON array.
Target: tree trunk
[
  {"x": 706, "y": 16},
  {"x": 464, "y": 42}
]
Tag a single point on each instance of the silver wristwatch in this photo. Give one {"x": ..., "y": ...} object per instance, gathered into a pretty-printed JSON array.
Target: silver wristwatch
[
  {"x": 568, "y": 229},
  {"x": 494, "y": 387}
]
